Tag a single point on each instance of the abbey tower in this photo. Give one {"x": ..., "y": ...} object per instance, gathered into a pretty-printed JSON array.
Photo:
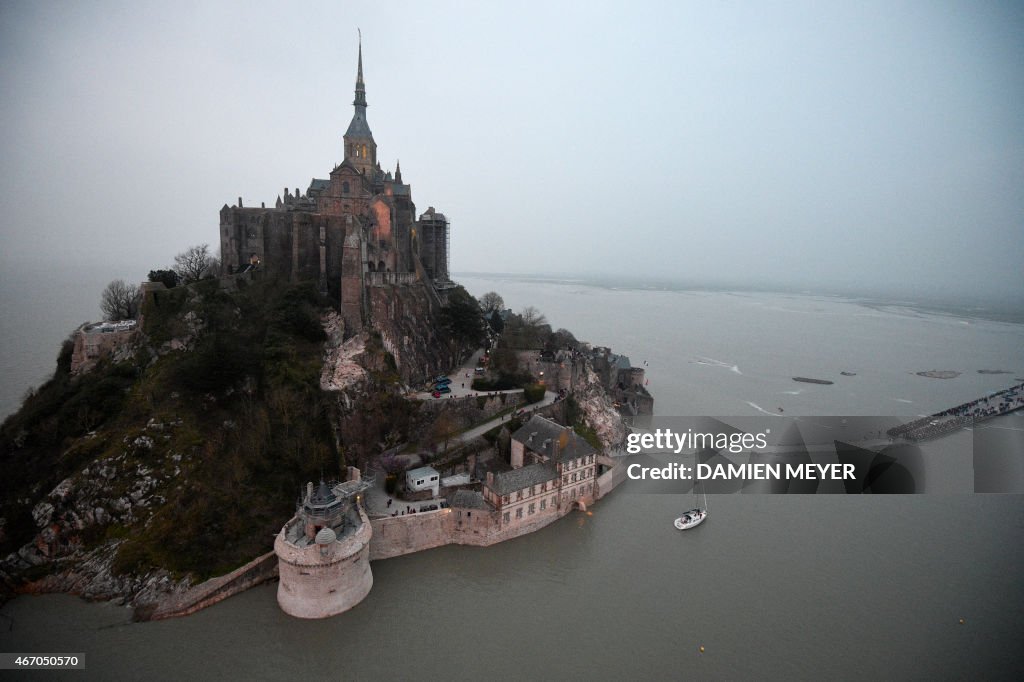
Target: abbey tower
[{"x": 355, "y": 230}]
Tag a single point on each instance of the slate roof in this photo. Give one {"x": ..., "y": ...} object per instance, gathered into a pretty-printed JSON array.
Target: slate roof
[
  {"x": 323, "y": 495},
  {"x": 358, "y": 127},
  {"x": 542, "y": 429},
  {"x": 317, "y": 185},
  {"x": 346, "y": 163},
  {"x": 468, "y": 499},
  {"x": 523, "y": 477}
]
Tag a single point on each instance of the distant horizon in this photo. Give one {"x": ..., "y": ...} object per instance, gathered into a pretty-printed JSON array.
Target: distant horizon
[
  {"x": 1005, "y": 304},
  {"x": 1008, "y": 307}
]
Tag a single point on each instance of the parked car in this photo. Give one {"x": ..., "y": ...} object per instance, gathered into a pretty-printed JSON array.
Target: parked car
[
  {"x": 442, "y": 380},
  {"x": 442, "y": 388}
]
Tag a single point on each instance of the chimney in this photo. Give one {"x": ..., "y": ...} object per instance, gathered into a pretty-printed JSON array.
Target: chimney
[
  {"x": 309, "y": 491},
  {"x": 490, "y": 480},
  {"x": 239, "y": 202}
]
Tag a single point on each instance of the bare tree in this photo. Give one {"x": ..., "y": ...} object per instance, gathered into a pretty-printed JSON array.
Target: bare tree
[
  {"x": 194, "y": 263},
  {"x": 491, "y": 302},
  {"x": 120, "y": 301},
  {"x": 444, "y": 429},
  {"x": 532, "y": 317}
]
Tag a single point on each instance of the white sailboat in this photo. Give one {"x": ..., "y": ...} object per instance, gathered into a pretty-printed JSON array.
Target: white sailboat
[{"x": 693, "y": 517}]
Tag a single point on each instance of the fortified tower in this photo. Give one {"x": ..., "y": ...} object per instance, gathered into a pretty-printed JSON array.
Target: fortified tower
[{"x": 323, "y": 552}]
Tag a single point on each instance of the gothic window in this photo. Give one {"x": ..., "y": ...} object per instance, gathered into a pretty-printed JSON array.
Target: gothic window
[
  {"x": 364, "y": 151},
  {"x": 519, "y": 513},
  {"x": 505, "y": 517},
  {"x": 344, "y": 187},
  {"x": 371, "y": 266}
]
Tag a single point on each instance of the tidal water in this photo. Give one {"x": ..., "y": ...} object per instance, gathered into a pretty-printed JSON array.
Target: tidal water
[{"x": 773, "y": 587}]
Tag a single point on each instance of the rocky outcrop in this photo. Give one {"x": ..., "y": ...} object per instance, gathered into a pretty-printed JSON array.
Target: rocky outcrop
[
  {"x": 90, "y": 575},
  {"x": 82, "y": 520},
  {"x": 343, "y": 368},
  {"x": 600, "y": 413}
]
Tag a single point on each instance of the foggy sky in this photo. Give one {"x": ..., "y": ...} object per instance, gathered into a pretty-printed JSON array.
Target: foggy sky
[{"x": 815, "y": 144}]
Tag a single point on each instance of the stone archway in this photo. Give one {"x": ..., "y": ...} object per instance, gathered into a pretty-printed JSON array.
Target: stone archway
[{"x": 579, "y": 504}]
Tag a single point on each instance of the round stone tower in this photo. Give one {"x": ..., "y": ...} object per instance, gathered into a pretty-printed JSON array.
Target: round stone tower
[{"x": 323, "y": 552}]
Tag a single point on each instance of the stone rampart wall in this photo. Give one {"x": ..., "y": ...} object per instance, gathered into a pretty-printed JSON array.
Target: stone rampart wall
[
  {"x": 214, "y": 590},
  {"x": 397, "y": 535},
  {"x": 91, "y": 346},
  {"x": 479, "y": 408},
  {"x": 610, "y": 479}
]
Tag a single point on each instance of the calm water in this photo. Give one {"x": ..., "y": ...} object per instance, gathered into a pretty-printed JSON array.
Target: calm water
[{"x": 773, "y": 587}]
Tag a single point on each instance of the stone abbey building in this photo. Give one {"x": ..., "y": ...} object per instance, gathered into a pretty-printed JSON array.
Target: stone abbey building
[{"x": 354, "y": 230}]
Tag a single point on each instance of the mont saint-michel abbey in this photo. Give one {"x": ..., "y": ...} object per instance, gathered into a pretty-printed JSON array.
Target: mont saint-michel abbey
[{"x": 356, "y": 229}]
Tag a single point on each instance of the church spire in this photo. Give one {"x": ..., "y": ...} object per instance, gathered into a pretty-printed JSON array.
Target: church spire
[
  {"x": 398, "y": 172},
  {"x": 360, "y": 148},
  {"x": 360, "y": 86}
]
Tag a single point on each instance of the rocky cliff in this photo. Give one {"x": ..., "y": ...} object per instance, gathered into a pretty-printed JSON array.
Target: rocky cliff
[{"x": 599, "y": 412}]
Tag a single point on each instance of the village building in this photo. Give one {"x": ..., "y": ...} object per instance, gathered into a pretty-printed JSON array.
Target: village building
[
  {"x": 423, "y": 478},
  {"x": 552, "y": 470}
]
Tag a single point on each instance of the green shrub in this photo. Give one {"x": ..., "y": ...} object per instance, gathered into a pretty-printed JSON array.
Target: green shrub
[{"x": 533, "y": 393}]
